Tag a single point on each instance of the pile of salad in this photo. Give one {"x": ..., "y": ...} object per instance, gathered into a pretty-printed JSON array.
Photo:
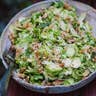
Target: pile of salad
[{"x": 54, "y": 46}]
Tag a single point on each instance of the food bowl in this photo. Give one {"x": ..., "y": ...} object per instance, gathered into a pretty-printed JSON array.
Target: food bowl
[{"x": 5, "y": 45}]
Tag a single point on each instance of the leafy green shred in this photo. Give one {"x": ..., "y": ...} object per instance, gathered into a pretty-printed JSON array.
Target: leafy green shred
[{"x": 54, "y": 46}]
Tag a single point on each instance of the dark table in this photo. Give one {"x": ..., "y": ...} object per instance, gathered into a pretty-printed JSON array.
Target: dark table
[
  {"x": 17, "y": 90},
  {"x": 89, "y": 90}
]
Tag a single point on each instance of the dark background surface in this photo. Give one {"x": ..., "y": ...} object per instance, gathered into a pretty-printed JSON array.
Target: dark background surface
[{"x": 8, "y": 8}]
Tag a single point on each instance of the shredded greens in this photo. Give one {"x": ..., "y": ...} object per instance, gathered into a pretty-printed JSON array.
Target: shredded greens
[{"x": 54, "y": 46}]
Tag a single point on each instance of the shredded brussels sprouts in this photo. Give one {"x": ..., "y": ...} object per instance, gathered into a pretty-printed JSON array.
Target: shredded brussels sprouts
[{"x": 54, "y": 46}]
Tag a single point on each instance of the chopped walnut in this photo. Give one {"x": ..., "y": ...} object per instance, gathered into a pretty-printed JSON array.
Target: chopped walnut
[
  {"x": 45, "y": 16},
  {"x": 40, "y": 70},
  {"x": 94, "y": 59},
  {"x": 22, "y": 69},
  {"x": 64, "y": 34},
  {"x": 86, "y": 49},
  {"x": 94, "y": 49},
  {"x": 35, "y": 46},
  {"x": 37, "y": 57},
  {"x": 68, "y": 19},
  {"x": 57, "y": 17},
  {"x": 27, "y": 79},
  {"x": 20, "y": 75},
  {"x": 61, "y": 65},
  {"x": 27, "y": 25},
  {"x": 86, "y": 73},
  {"x": 71, "y": 40},
  {"x": 67, "y": 6},
  {"x": 51, "y": 26},
  {"x": 18, "y": 51},
  {"x": 12, "y": 37},
  {"x": 57, "y": 82}
]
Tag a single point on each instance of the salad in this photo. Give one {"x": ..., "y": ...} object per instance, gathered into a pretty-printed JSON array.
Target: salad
[{"x": 54, "y": 46}]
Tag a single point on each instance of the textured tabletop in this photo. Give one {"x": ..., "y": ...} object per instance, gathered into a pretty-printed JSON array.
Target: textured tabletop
[{"x": 17, "y": 90}]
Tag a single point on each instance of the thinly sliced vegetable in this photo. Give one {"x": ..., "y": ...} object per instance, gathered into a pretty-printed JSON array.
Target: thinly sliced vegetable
[{"x": 54, "y": 46}]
